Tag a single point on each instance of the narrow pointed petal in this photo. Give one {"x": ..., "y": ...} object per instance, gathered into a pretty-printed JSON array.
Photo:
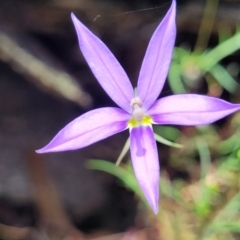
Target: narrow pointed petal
[
  {"x": 190, "y": 109},
  {"x": 145, "y": 163},
  {"x": 157, "y": 60},
  {"x": 104, "y": 66},
  {"x": 89, "y": 128}
]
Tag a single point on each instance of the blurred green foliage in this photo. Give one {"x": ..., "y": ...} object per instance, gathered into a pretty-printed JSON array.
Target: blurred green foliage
[
  {"x": 189, "y": 68},
  {"x": 207, "y": 206}
]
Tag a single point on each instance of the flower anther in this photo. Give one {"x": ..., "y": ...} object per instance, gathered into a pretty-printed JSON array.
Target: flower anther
[{"x": 137, "y": 111}]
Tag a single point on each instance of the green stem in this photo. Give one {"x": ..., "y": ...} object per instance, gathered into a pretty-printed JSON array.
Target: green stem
[{"x": 206, "y": 26}]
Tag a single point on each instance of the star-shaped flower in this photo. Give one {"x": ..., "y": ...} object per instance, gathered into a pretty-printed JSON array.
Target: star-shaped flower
[{"x": 137, "y": 112}]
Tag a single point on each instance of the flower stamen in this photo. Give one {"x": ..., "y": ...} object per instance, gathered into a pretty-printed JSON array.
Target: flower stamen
[{"x": 138, "y": 113}]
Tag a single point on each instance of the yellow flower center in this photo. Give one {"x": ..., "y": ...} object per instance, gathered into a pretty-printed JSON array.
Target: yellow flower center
[{"x": 139, "y": 116}]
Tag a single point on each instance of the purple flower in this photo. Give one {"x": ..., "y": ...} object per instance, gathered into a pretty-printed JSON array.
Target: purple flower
[{"x": 140, "y": 110}]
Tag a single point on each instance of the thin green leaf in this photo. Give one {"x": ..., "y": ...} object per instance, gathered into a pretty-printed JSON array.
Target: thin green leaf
[
  {"x": 224, "y": 78},
  {"x": 167, "y": 142}
]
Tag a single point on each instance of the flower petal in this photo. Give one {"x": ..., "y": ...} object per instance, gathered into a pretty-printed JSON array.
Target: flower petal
[
  {"x": 104, "y": 66},
  {"x": 89, "y": 128},
  {"x": 157, "y": 60},
  {"x": 190, "y": 109},
  {"x": 145, "y": 163}
]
